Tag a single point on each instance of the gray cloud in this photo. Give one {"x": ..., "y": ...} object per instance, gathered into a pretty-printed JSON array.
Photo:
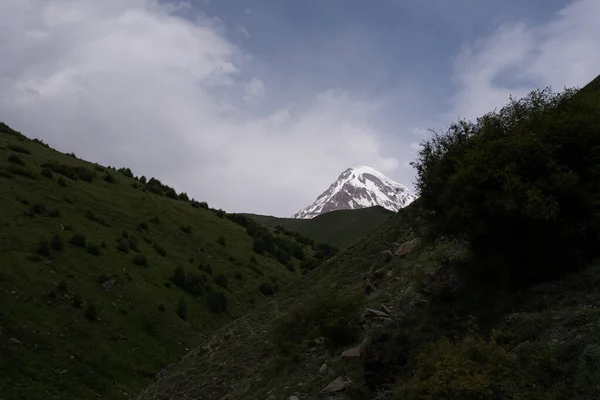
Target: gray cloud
[{"x": 131, "y": 83}]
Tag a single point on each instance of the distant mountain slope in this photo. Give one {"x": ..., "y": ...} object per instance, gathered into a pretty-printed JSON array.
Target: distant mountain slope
[
  {"x": 341, "y": 228},
  {"x": 93, "y": 303},
  {"x": 359, "y": 187}
]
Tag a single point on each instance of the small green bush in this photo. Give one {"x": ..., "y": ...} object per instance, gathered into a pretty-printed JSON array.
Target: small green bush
[
  {"x": 53, "y": 213},
  {"x": 186, "y": 228},
  {"x": 217, "y": 302},
  {"x": 77, "y": 301},
  {"x": 21, "y": 171},
  {"x": 221, "y": 240},
  {"x": 110, "y": 178},
  {"x": 57, "y": 242},
  {"x": 266, "y": 289},
  {"x": 47, "y": 172},
  {"x": 143, "y": 226},
  {"x": 141, "y": 260},
  {"x": 93, "y": 249},
  {"x": 182, "y": 309},
  {"x": 61, "y": 181},
  {"x": 38, "y": 208},
  {"x": 90, "y": 312},
  {"x": 62, "y": 286},
  {"x": 13, "y": 158},
  {"x": 183, "y": 196},
  {"x": 18, "y": 149},
  {"x": 161, "y": 307},
  {"x": 133, "y": 244},
  {"x": 78, "y": 240},
  {"x": 43, "y": 247},
  {"x": 155, "y": 220},
  {"x": 122, "y": 245},
  {"x": 160, "y": 250},
  {"x": 221, "y": 280},
  {"x": 171, "y": 193}
]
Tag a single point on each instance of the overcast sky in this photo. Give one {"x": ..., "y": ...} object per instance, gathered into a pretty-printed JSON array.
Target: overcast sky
[{"x": 258, "y": 105}]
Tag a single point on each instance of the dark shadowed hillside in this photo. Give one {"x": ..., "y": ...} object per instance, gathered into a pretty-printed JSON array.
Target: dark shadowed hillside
[{"x": 441, "y": 301}]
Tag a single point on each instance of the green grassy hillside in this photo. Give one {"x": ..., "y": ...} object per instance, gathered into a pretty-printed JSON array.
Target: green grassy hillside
[
  {"x": 341, "y": 228},
  {"x": 106, "y": 278},
  {"x": 433, "y": 304}
]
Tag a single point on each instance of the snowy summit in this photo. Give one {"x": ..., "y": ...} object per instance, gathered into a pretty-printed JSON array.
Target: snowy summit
[{"x": 359, "y": 187}]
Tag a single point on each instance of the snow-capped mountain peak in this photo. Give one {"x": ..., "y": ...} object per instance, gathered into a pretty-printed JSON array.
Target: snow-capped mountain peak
[{"x": 359, "y": 187}]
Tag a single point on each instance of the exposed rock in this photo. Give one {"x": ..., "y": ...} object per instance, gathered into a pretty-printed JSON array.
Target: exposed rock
[
  {"x": 406, "y": 247},
  {"x": 14, "y": 340},
  {"x": 323, "y": 369},
  {"x": 373, "y": 312},
  {"x": 294, "y": 398},
  {"x": 386, "y": 309},
  {"x": 353, "y": 352},
  {"x": 108, "y": 285},
  {"x": 337, "y": 385},
  {"x": 368, "y": 286}
]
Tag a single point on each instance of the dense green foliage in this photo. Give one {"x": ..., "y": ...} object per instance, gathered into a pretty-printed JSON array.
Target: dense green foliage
[{"x": 520, "y": 186}]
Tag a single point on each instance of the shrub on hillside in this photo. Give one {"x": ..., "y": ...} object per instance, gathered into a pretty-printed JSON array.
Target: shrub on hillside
[
  {"x": 57, "y": 242},
  {"x": 43, "y": 247},
  {"x": 94, "y": 249},
  {"x": 18, "y": 149},
  {"x": 13, "y": 158},
  {"x": 182, "y": 309},
  {"x": 259, "y": 246},
  {"x": 143, "y": 179},
  {"x": 221, "y": 280},
  {"x": 160, "y": 250},
  {"x": 122, "y": 245},
  {"x": 171, "y": 193},
  {"x": 183, "y": 196},
  {"x": 61, "y": 181},
  {"x": 155, "y": 220},
  {"x": 471, "y": 368},
  {"x": 519, "y": 186},
  {"x": 266, "y": 289},
  {"x": 221, "y": 240},
  {"x": 90, "y": 312},
  {"x": 186, "y": 228},
  {"x": 19, "y": 170},
  {"x": 110, "y": 178},
  {"x": 217, "y": 302},
  {"x": 335, "y": 319},
  {"x": 38, "y": 208},
  {"x": 141, "y": 260},
  {"x": 78, "y": 240}
]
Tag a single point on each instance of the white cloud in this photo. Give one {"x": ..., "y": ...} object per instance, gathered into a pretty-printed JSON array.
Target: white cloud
[
  {"x": 255, "y": 91},
  {"x": 132, "y": 84},
  {"x": 519, "y": 57}
]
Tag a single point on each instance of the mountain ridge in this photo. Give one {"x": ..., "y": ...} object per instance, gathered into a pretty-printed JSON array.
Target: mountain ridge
[{"x": 359, "y": 187}]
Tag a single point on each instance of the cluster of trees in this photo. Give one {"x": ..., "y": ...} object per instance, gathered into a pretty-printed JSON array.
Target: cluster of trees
[{"x": 520, "y": 187}]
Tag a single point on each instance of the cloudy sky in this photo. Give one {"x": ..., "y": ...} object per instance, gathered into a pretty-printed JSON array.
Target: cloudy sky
[{"x": 258, "y": 105}]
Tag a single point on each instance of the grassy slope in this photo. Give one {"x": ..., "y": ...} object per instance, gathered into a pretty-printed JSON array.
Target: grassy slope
[
  {"x": 548, "y": 331},
  {"x": 340, "y": 228},
  {"x": 60, "y": 353}
]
